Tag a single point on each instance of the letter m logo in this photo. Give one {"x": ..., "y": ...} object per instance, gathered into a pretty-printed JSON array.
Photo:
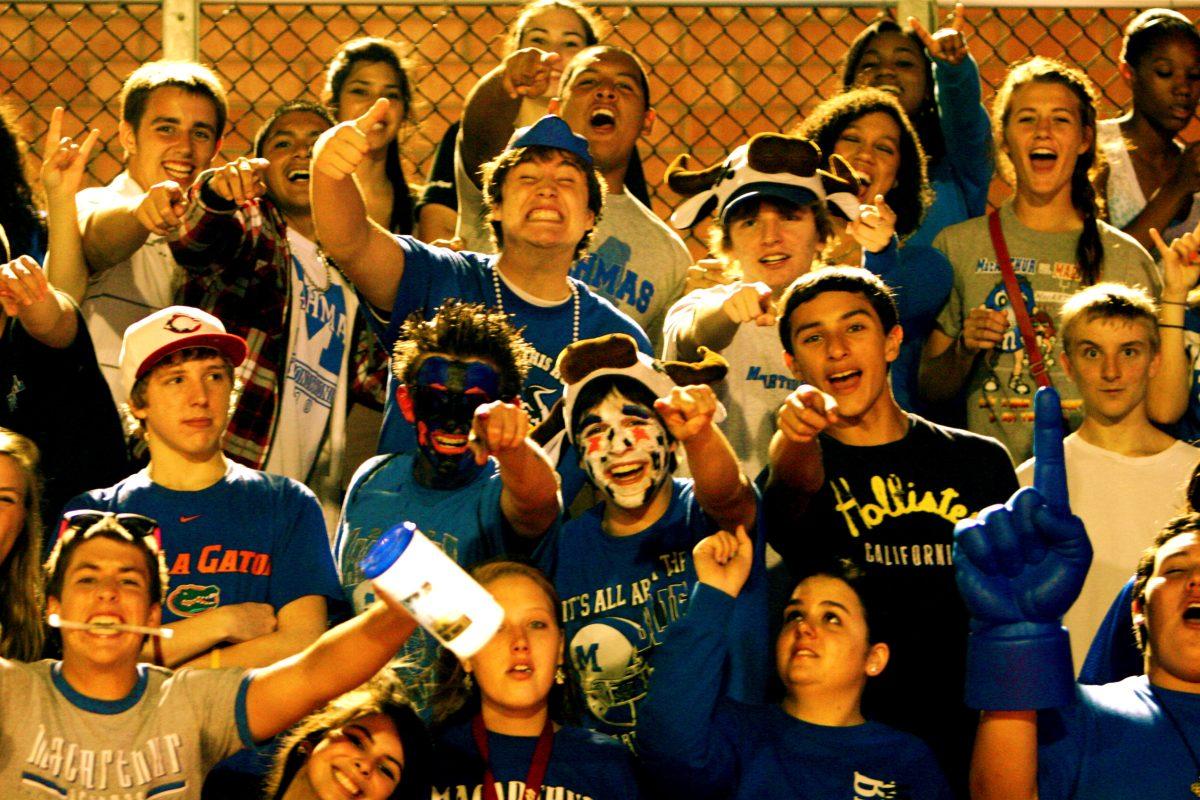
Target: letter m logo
[{"x": 586, "y": 659}]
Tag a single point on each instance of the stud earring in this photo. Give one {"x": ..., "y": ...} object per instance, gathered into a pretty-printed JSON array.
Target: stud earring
[
  {"x": 468, "y": 682},
  {"x": 560, "y": 677}
]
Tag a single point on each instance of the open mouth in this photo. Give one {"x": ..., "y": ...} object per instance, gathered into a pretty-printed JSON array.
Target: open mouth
[
  {"x": 774, "y": 259},
  {"x": 544, "y": 215},
  {"x": 178, "y": 171},
  {"x": 299, "y": 175},
  {"x": 1043, "y": 158},
  {"x": 890, "y": 88},
  {"x": 449, "y": 444},
  {"x": 845, "y": 381},
  {"x": 350, "y": 787},
  {"x": 627, "y": 473},
  {"x": 521, "y": 670},
  {"x": 603, "y": 120},
  {"x": 1192, "y": 614}
]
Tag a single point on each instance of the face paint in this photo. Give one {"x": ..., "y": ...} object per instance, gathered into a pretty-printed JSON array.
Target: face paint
[
  {"x": 445, "y": 393},
  {"x": 625, "y": 450}
]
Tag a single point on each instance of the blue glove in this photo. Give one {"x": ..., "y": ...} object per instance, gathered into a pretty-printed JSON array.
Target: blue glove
[{"x": 1019, "y": 568}]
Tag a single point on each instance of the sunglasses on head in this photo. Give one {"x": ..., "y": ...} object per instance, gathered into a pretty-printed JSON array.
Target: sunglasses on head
[{"x": 140, "y": 529}]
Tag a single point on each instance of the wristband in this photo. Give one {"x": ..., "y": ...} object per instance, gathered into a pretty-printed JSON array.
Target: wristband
[
  {"x": 1019, "y": 666},
  {"x": 214, "y": 658},
  {"x": 1172, "y": 303},
  {"x": 1165, "y": 325}
]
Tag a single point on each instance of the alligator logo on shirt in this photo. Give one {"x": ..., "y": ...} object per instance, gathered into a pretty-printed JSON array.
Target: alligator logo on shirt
[{"x": 189, "y": 599}]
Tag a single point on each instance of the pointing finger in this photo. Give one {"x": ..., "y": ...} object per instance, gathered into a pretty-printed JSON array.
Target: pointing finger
[{"x": 1049, "y": 466}]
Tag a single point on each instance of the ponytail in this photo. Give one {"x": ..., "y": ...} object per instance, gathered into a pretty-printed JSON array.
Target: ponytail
[{"x": 1089, "y": 251}]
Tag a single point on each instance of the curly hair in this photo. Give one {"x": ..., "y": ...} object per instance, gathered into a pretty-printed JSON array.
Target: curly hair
[
  {"x": 1179, "y": 526},
  {"x": 925, "y": 120},
  {"x": 383, "y": 694},
  {"x": 23, "y": 223},
  {"x": 377, "y": 50},
  {"x": 1089, "y": 252},
  {"x": 911, "y": 195},
  {"x": 464, "y": 330},
  {"x": 21, "y": 632}
]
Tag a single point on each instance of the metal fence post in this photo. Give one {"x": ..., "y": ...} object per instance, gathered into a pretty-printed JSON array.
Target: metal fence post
[
  {"x": 924, "y": 10},
  {"x": 181, "y": 39}
]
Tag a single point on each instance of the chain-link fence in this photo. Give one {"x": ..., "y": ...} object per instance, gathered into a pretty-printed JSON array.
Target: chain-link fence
[{"x": 718, "y": 73}]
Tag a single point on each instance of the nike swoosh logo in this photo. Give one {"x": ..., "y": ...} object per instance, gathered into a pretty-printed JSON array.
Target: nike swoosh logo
[{"x": 188, "y": 519}]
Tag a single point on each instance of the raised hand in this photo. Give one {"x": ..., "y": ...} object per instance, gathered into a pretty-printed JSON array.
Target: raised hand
[
  {"x": 875, "y": 226},
  {"x": 64, "y": 160},
  {"x": 340, "y": 150},
  {"x": 241, "y": 180},
  {"x": 530, "y": 72},
  {"x": 1019, "y": 567},
  {"x": 750, "y": 302},
  {"x": 22, "y": 283},
  {"x": 947, "y": 43},
  {"x": 724, "y": 559},
  {"x": 497, "y": 429},
  {"x": 1180, "y": 263},
  {"x": 805, "y": 413},
  {"x": 687, "y": 410}
]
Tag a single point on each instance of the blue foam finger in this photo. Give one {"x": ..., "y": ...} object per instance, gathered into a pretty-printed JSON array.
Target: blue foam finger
[{"x": 1049, "y": 466}]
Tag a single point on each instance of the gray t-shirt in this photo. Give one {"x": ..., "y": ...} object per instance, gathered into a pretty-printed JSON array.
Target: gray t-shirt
[
  {"x": 999, "y": 392},
  {"x": 160, "y": 741}
]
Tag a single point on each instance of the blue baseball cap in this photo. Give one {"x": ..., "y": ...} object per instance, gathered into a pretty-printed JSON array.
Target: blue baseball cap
[{"x": 551, "y": 131}]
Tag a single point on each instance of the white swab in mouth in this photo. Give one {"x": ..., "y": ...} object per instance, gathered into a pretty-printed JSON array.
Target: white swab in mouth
[{"x": 56, "y": 621}]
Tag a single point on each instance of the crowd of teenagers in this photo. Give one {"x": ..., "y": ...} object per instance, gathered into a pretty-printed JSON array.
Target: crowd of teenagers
[{"x": 797, "y": 521}]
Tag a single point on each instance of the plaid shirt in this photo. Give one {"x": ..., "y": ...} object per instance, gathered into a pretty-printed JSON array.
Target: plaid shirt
[{"x": 239, "y": 269}]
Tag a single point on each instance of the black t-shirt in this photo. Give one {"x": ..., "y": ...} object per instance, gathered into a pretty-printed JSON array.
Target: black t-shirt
[
  {"x": 891, "y": 509},
  {"x": 59, "y": 399}
]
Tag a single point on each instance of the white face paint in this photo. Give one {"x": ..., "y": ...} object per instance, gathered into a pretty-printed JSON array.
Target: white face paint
[{"x": 624, "y": 450}]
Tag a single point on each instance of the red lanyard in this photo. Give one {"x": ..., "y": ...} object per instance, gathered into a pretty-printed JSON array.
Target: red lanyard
[
  {"x": 1033, "y": 353},
  {"x": 537, "y": 768}
]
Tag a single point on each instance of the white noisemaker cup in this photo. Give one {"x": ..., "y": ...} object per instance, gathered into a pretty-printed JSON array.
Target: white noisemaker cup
[{"x": 409, "y": 569}]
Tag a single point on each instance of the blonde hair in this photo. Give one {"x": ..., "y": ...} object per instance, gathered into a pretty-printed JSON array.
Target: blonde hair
[{"x": 21, "y": 632}]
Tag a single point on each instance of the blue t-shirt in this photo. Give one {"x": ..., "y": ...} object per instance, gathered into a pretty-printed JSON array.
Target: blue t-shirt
[
  {"x": 1115, "y": 743},
  {"x": 922, "y": 278},
  {"x": 706, "y": 746},
  {"x": 433, "y": 275},
  {"x": 620, "y": 594},
  {"x": 962, "y": 177},
  {"x": 1114, "y": 654},
  {"x": 583, "y": 765},
  {"x": 466, "y": 523},
  {"x": 250, "y": 537}
]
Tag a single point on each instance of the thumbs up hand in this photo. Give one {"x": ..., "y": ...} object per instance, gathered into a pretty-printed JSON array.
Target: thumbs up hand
[{"x": 342, "y": 148}]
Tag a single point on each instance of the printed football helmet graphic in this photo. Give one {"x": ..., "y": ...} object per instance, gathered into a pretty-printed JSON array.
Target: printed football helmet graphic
[{"x": 613, "y": 673}]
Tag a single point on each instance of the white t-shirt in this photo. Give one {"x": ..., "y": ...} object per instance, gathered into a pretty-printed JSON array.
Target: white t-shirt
[
  {"x": 1123, "y": 501},
  {"x": 313, "y": 390},
  {"x": 757, "y": 383},
  {"x": 128, "y": 291},
  {"x": 1124, "y": 194}
]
